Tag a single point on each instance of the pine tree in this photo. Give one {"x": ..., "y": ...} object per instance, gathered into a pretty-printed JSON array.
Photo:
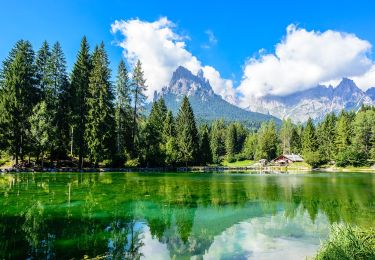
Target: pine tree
[
  {"x": 217, "y": 140},
  {"x": 310, "y": 144},
  {"x": 123, "y": 114},
  {"x": 139, "y": 100},
  {"x": 154, "y": 134},
  {"x": 78, "y": 92},
  {"x": 205, "y": 154},
  {"x": 42, "y": 61},
  {"x": 309, "y": 141},
  {"x": 57, "y": 99},
  {"x": 267, "y": 141},
  {"x": 41, "y": 129},
  {"x": 18, "y": 96},
  {"x": 187, "y": 134},
  {"x": 169, "y": 142},
  {"x": 286, "y": 134},
  {"x": 344, "y": 132},
  {"x": 249, "y": 147},
  {"x": 326, "y": 134},
  {"x": 100, "y": 112},
  {"x": 230, "y": 142}
]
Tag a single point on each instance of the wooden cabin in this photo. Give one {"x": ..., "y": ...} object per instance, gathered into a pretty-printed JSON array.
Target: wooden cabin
[{"x": 285, "y": 159}]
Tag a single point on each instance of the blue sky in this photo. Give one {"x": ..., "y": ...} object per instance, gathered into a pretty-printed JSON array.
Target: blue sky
[{"x": 241, "y": 28}]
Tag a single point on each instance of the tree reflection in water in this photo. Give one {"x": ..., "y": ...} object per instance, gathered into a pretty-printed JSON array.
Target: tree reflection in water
[{"x": 118, "y": 216}]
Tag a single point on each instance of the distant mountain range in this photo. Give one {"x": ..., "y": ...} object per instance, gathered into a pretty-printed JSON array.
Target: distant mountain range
[
  {"x": 207, "y": 105},
  {"x": 315, "y": 102}
]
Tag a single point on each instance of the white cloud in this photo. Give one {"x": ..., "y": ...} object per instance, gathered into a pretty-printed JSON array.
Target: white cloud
[
  {"x": 366, "y": 80},
  {"x": 304, "y": 59},
  {"x": 161, "y": 50},
  {"x": 212, "y": 40}
]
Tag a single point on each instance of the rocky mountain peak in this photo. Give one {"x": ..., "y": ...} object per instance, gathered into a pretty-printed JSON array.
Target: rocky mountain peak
[{"x": 184, "y": 82}]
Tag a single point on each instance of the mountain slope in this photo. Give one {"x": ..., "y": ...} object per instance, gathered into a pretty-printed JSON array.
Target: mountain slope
[
  {"x": 315, "y": 102},
  {"x": 206, "y": 104}
]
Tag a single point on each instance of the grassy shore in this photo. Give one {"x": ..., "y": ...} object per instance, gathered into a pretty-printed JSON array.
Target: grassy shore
[{"x": 346, "y": 242}]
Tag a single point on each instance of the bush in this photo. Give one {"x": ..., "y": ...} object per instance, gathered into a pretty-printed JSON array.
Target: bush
[
  {"x": 313, "y": 158},
  {"x": 231, "y": 159},
  {"x": 346, "y": 242},
  {"x": 351, "y": 157},
  {"x": 132, "y": 162}
]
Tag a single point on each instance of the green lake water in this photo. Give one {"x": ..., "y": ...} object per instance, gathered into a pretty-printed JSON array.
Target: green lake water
[{"x": 177, "y": 215}]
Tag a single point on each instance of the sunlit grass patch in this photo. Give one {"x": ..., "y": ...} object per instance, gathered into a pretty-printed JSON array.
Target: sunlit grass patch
[{"x": 346, "y": 242}]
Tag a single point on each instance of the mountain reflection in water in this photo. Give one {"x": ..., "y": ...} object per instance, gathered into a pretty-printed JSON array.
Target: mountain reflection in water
[{"x": 166, "y": 215}]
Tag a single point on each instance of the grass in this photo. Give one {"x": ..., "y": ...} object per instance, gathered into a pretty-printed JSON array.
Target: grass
[
  {"x": 346, "y": 242},
  {"x": 237, "y": 163}
]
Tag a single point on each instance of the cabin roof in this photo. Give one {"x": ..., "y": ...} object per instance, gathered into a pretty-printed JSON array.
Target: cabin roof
[{"x": 291, "y": 157}]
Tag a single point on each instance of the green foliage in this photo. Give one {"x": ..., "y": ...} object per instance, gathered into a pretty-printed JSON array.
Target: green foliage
[
  {"x": 309, "y": 141},
  {"x": 217, "y": 140},
  {"x": 123, "y": 111},
  {"x": 267, "y": 141},
  {"x": 99, "y": 102},
  {"x": 42, "y": 130},
  {"x": 153, "y": 134},
  {"x": 313, "y": 158},
  {"x": 250, "y": 146},
  {"x": 18, "y": 97},
  {"x": 286, "y": 135},
  {"x": 326, "y": 134},
  {"x": 169, "y": 142},
  {"x": 346, "y": 242},
  {"x": 205, "y": 154},
  {"x": 78, "y": 91},
  {"x": 230, "y": 141},
  {"x": 187, "y": 134},
  {"x": 139, "y": 98}
]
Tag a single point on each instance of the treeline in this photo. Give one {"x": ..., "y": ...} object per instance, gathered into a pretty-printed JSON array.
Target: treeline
[
  {"x": 85, "y": 118},
  {"x": 46, "y": 113},
  {"x": 347, "y": 139}
]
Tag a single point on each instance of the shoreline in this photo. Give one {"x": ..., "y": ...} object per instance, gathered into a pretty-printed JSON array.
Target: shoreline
[{"x": 197, "y": 169}]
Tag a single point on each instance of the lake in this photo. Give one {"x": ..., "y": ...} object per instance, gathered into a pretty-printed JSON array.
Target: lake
[{"x": 177, "y": 215}]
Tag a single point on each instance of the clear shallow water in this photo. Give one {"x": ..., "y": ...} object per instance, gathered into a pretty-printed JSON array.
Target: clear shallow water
[{"x": 181, "y": 215}]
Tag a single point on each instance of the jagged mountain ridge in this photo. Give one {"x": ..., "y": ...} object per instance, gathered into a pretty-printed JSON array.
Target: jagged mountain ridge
[
  {"x": 207, "y": 105},
  {"x": 315, "y": 102}
]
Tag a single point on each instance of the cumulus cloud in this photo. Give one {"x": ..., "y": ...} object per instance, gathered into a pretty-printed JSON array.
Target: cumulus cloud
[
  {"x": 161, "y": 50},
  {"x": 304, "y": 59}
]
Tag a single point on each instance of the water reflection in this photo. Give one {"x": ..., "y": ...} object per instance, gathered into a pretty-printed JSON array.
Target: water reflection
[{"x": 161, "y": 216}]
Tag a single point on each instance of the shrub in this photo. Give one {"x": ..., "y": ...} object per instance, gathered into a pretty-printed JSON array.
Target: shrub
[
  {"x": 346, "y": 242},
  {"x": 313, "y": 158}
]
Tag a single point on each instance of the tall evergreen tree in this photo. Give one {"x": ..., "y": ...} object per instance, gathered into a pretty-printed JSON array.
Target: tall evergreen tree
[
  {"x": 326, "y": 134},
  {"x": 41, "y": 129},
  {"x": 309, "y": 141},
  {"x": 100, "y": 113},
  {"x": 169, "y": 142},
  {"x": 286, "y": 134},
  {"x": 249, "y": 147},
  {"x": 154, "y": 134},
  {"x": 18, "y": 96},
  {"x": 78, "y": 92},
  {"x": 344, "y": 132},
  {"x": 217, "y": 140},
  {"x": 57, "y": 98},
  {"x": 123, "y": 114},
  {"x": 42, "y": 67},
  {"x": 205, "y": 154},
  {"x": 267, "y": 141},
  {"x": 187, "y": 134},
  {"x": 310, "y": 144},
  {"x": 230, "y": 142},
  {"x": 139, "y": 100}
]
